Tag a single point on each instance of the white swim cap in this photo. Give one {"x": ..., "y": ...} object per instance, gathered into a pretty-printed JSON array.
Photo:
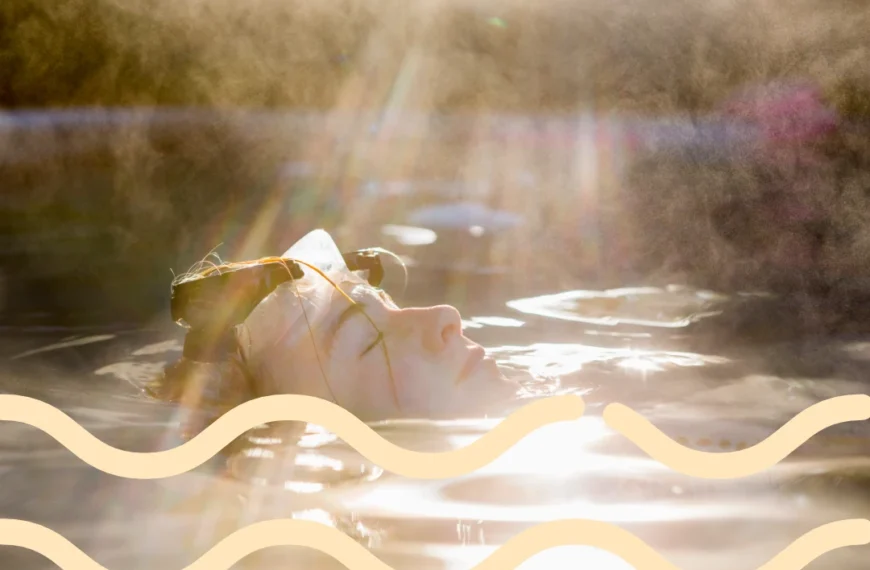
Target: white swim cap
[{"x": 293, "y": 310}]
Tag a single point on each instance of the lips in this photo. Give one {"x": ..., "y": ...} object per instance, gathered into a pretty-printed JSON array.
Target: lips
[{"x": 475, "y": 355}]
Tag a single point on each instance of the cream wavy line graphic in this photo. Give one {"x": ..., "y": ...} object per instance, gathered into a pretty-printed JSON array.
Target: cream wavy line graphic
[
  {"x": 269, "y": 409},
  {"x": 425, "y": 465},
  {"x": 285, "y": 532},
  {"x": 732, "y": 465}
]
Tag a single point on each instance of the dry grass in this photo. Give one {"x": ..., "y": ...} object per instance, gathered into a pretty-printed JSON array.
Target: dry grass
[{"x": 651, "y": 56}]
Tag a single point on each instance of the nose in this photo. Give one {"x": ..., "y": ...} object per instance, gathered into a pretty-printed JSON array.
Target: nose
[{"x": 437, "y": 325}]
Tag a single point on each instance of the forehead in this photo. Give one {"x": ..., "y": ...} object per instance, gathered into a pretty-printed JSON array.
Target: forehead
[
  {"x": 341, "y": 308},
  {"x": 361, "y": 292},
  {"x": 358, "y": 290}
]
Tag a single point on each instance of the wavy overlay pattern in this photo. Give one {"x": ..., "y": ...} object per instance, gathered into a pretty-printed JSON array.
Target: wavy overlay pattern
[
  {"x": 277, "y": 408},
  {"x": 423, "y": 465},
  {"x": 741, "y": 463},
  {"x": 354, "y": 556}
]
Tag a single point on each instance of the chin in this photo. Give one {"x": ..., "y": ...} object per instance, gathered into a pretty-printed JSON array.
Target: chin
[{"x": 487, "y": 387}]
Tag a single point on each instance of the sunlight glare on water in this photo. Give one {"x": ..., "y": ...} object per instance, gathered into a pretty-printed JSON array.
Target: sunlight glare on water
[
  {"x": 674, "y": 307},
  {"x": 573, "y": 469},
  {"x": 553, "y": 359}
]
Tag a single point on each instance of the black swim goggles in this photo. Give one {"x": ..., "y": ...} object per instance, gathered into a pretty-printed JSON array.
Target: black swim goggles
[{"x": 211, "y": 306}]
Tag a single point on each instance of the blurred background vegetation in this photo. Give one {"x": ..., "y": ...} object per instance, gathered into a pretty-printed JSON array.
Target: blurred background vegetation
[
  {"x": 653, "y": 56},
  {"x": 135, "y": 201}
]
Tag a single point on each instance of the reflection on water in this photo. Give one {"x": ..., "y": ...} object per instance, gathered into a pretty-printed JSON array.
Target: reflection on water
[
  {"x": 671, "y": 307},
  {"x": 560, "y": 359},
  {"x": 409, "y": 235},
  {"x": 578, "y": 469},
  {"x": 66, "y": 343},
  {"x": 270, "y": 459}
]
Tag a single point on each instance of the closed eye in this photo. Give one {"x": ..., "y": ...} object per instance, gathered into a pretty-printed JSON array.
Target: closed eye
[
  {"x": 377, "y": 341},
  {"x": 359, "y": 308}
]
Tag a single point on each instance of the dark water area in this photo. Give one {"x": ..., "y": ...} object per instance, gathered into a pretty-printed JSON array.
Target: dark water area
[{"x": 101, "y": 208}]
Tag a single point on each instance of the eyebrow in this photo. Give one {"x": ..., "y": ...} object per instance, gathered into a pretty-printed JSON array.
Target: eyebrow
[{"x": 355, "y": 308}]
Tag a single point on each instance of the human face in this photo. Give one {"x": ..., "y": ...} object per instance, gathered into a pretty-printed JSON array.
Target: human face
[{"x": 380, "y": 361}]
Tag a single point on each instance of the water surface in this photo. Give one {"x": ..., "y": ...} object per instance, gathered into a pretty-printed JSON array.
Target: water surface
[{"x": 677, "y": 355}]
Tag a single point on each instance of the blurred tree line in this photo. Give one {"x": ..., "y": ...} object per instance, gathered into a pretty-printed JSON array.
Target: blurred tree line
[
  {"x": 139, "y": 202},
  {"x": 553, "y": 55}
]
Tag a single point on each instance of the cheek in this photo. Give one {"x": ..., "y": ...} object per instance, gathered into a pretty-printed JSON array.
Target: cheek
[
  {"x": 420, "y": 382},
  {"x": 365, "y": 388},
  {"x": 290, "y": 371},
  {"x": 410, "y": 368},
  {"x": 362, "y": 387}
]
